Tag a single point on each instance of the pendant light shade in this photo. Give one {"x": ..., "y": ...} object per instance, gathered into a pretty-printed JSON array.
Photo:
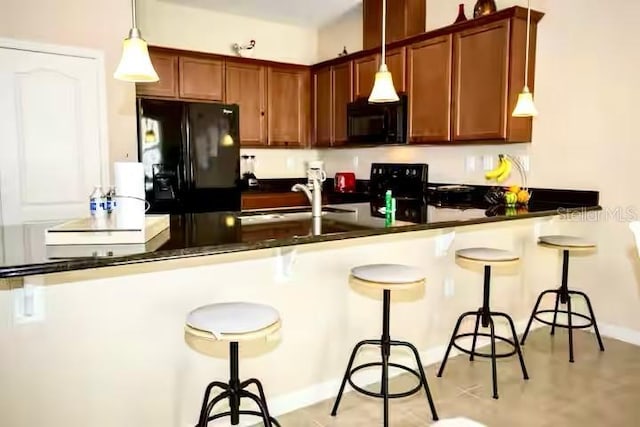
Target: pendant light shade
[
  {"x": 525, "y": 106},
  {"x": 135, "y": 64},
  {"x": 383, "y": 89}
]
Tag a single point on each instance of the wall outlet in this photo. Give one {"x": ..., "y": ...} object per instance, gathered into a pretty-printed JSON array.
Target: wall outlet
[
  {"x": 28, "y": 304},
  {"x": 470, "y": 163},
  {"x": 449, "y": 287},
  {"x": 284, "y": 262},
  {"x": 356, "y": 162},
  {"x": 291, "y": 163},
  {"x": 525, "y": 161},
  {"x": 443, "y": 243},
  {"x": 488, "y": 162}
]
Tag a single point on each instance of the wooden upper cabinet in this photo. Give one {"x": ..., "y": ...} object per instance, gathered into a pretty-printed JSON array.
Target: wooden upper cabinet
[
  {"x": 288, "y": 105},
  {"x": 364, "y": 74},
  {"x": 201, "y": 78},
  {"x": 481, "y": 64},
  {"x": 323, "y": 107},
  {"x": 429, "y": 85},
  {"x": 342, "y": 95},
  {"x": 405, "y": 18},
  {"x": 166, "y": 65},
  {"x": 396, "y": 63},
  {"x": 246, "y": 85}
]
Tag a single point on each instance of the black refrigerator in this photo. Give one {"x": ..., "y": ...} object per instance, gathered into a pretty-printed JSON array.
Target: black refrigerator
[{"x": 191, "y": 155}]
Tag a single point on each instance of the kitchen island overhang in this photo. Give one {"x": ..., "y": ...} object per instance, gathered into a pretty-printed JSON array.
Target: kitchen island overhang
[{"x": 209, "y": 234}]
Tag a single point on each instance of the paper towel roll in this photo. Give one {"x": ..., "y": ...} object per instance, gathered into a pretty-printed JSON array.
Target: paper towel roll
[{"x": 129, "y": 182}]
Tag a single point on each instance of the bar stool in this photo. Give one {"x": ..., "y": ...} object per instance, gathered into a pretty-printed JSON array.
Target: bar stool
[
  {"x": 487, "y": 257},
  {"x": 566, "y": 244},
  {"x": 386, "y": 277},
  {"x": 233, "y": 323}
]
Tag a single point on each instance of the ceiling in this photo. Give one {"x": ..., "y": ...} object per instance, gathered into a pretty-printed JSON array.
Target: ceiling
[{"x": 306, "y": 13}]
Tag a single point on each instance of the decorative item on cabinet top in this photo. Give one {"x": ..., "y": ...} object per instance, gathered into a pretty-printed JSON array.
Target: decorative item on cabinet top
[
  {"x": 245, "y": 50},
  {"x": 484, "y": 7},
  {"x": 461, "y": 15}
]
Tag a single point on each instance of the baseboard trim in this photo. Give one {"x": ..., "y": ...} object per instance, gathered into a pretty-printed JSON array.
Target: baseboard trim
[{"x": 619, "y": 333}]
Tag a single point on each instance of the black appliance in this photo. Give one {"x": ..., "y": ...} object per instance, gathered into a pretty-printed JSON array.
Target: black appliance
[
  {"x": 377, "y": 124},
  {"x": 451, "y": 195},
  {"x": 191, "y": 155},
  {"x": 408, "y": 184}
]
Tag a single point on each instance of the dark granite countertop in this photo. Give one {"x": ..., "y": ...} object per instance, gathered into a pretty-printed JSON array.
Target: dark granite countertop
[{"x": 24, "y": 253}]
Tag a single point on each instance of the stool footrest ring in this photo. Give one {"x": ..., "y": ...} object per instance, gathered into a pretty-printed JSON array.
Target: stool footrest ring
[
  {"x": 380, "y": 395},
  {"x": 564, "y": 325},
  {"x": 488, "y": 355},
  {"x": 242, "y": 412}
]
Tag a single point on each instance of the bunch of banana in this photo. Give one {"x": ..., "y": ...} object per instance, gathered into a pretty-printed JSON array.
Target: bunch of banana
[{"x": 502, "y": 171}]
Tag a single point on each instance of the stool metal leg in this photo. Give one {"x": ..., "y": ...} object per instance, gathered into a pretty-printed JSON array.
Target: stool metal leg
[
  {"x": 453, "y": 337},
  {"x": 475, "y": 336},
  {"x": 533, "y": 313},
  {"x": 385, "y": 348},
  {"x": 423, "y": 376},
  {"x": 493, "y": 359},
  {"x": 352, "y": 358},
  {"x": 593, "y": 317},
  {"x": 569, "y": 316},
  {"x": 555, "y": 314},
  {"x": 525, "y": 374}
]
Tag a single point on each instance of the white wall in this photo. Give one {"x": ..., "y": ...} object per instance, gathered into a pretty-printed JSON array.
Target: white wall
[{"x": 172, "y": 24}]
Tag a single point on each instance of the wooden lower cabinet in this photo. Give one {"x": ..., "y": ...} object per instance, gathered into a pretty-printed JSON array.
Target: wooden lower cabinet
[
  {"x": 273, "y": 200},
  {"x": 246, "y": 85},
  {"x": 429, "y": 83},
  {"x": 288, "y": 98}
]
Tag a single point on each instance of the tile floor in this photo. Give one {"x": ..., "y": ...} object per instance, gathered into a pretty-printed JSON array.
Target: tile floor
[{"x": 599, "y": 389}]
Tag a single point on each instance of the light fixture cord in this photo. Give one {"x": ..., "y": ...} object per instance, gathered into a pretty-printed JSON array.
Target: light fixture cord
[
  {"x": 133, "y": 13},
  {"x": 384, "y": 31},
  {"x": 526, "y": 61}
]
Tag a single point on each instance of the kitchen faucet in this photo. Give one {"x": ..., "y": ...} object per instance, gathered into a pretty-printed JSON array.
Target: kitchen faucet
[{"x": 313, "y": 190}]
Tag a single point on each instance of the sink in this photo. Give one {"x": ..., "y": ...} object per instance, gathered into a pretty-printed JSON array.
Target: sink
[{"x": 286, "y": 214}]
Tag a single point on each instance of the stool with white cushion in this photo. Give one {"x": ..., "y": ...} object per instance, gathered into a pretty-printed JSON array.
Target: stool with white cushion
[
  {"x": 566, "y": 244},
  {"x": 487, "y": 257},
  {"x": 233, "y": 323},
  {"x": 387, "y": 278}
]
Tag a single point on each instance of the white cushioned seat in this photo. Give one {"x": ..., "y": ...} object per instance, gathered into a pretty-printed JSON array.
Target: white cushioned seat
[
  {"x": 487, "y": 254},
  {"x": 388, "y": 273},
  {"x": 569, "y": 241},
  {"x": 234, "y": 318}
]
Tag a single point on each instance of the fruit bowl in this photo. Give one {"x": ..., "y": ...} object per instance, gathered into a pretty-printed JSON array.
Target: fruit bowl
[{"x": 510, "y": 196}]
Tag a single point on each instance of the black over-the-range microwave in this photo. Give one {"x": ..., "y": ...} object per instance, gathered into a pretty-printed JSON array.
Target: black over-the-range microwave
[{"x": 377, "y": 124}]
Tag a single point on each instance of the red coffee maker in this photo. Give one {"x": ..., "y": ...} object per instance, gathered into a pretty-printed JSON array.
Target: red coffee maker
[{"x": 345, "y": 182}]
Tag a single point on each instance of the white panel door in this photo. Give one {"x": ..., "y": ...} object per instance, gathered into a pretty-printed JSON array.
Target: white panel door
[{"x": 50, "y": 135}]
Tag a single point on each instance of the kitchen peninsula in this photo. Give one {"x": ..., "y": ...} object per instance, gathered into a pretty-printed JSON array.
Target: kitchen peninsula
[{"x": 121, "y": 325}]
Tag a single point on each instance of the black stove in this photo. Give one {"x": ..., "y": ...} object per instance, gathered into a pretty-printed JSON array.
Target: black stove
[
  {"x": 408, "y": 184},
  {"x": 407, "y": 181}
]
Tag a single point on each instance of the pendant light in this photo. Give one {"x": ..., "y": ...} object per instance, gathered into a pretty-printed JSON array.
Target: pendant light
[
  {"x": 383, "y": 89},
  {"x": 135, "y": 64},
  {"x": 525, "y": 106}
]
